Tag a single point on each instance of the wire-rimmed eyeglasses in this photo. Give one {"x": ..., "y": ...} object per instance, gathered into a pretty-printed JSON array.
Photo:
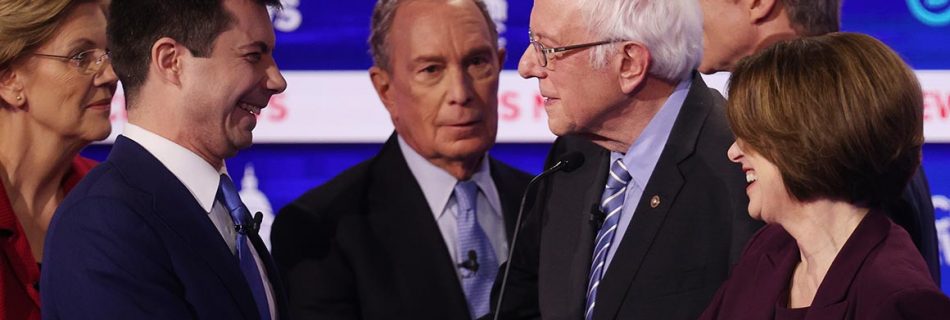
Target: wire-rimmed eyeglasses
[
  {"x": 543, "y": 52},
  {"x": 87, "y": 62}
]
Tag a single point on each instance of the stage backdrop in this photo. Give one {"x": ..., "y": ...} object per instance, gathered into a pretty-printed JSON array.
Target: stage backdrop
[{"x": 329, "y": 118}]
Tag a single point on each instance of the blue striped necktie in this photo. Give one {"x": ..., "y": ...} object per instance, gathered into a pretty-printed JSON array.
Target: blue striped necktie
[
  {"x": 612, "y": 205},
  {"x": 242, "y": 222},
  {"x": 477, "y": 262}
]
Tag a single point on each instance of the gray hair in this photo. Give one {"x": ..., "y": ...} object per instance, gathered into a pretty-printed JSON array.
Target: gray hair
[
  {"x": 814, "y": 18},
  {"x": 671, "y": 29},
  {"x": 383, "y": 15}
]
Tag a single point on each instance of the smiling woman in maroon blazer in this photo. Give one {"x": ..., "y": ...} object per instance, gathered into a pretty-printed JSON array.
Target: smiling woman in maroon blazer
[{"x": 828, "y": 130}]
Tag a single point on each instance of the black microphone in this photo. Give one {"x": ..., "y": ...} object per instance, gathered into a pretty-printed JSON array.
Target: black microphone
[
  {"x": 567, "y": 163},
  {"x": 251, "y": 226},
  {"x": 470, "y": 264}
]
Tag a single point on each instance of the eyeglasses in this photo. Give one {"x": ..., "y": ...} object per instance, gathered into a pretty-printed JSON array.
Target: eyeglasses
[
  {"x": 88, "y": 62},
  {"x": 543, "y": 52}
]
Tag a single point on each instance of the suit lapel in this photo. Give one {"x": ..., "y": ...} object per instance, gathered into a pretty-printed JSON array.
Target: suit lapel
[
  {"x": 665, "y": 184},
  {"x": 586, "y": 230},
  {"x": 568, "y": 235},
  {"x": 831, "y": 299},
  {"x": 174, "y": 204},
  {"x": 276, "y": 283},
  {"x": 510, "y": 195},
  {"x": 405, "y": 225}
]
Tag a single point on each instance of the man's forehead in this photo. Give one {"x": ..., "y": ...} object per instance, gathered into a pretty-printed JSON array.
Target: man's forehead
[
  {"x": 250, "y": 25},
  {"x": 555, "y": 19},
  {"x": 438, "y": 18}
]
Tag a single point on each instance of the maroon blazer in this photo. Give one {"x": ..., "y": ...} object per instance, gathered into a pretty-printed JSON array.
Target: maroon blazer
[{"x": 878, "y": 274}]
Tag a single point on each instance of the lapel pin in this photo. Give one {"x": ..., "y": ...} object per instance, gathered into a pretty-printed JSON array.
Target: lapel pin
[{"x": 655, "y": 201}]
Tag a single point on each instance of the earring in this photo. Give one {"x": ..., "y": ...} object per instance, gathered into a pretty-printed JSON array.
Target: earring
[{"x": 18, "y": 98}]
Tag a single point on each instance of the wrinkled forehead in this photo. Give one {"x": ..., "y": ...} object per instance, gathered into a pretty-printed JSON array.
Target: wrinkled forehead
[
  {"x": 558, "y": 20},
  {"x": 435, "y": 24}
]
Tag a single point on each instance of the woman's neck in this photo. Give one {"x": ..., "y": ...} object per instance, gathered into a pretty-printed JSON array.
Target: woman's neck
[
  {"x": 33, "y": 165},
  {"x": 820, "y": 228}
]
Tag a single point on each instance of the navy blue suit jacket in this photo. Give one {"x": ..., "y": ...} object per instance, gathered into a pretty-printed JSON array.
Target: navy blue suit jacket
[{"x": 131, "y": 242}]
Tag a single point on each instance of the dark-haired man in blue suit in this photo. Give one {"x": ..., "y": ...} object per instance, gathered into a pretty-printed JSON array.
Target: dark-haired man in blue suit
[{"x": 157, "y": 231}]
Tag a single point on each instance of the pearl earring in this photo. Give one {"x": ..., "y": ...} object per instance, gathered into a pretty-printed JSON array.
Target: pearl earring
[{"x": 18, "y": 98}]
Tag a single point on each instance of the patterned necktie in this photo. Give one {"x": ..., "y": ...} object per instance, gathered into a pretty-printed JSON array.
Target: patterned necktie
[
  {"x": 477, "y": 262},
  {"x": 243, "y": 222},
  {"x": 612, "y": 204}
]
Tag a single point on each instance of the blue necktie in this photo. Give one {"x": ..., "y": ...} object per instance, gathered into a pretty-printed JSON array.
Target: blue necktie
[
  {"x": 477, "y": 262},
  {"x": 244, "y": 224},
  {"x": 612, "y": 204}
]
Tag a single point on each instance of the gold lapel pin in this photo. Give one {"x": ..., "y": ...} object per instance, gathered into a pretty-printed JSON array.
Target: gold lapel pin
[{"x": 655, "y": 202}]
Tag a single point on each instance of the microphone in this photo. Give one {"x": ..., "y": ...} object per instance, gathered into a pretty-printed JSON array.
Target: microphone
[
  {"x": 470, "y": 264},
  {"x": 567, "y": 163},
  {"x": 251, "y": 226}
]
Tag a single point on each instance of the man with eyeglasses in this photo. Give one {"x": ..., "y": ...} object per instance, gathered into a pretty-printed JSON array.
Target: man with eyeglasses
[
  {"x": 648, "y": 227},
  {"x": 419, "y": 230}
]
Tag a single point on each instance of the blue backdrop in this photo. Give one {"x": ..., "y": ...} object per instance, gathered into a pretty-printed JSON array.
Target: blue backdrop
[{"x": 331, "y": 35}]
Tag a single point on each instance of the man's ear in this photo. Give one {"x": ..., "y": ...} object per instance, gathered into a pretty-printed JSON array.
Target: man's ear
[
  {"x": 11, "y": 88},
  {"x": 760, "y": 10},
  {"x": 382, "y": 83},
  {"x": 634, "y": 66},
  {"x": 166, "y": 60}
]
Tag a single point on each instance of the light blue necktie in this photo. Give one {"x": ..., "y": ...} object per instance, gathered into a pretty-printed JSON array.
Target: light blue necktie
[
  {"x": 477, "y": 262},
  {"x": 244, "y": 224},
  {"x": 612, "y": 204}
]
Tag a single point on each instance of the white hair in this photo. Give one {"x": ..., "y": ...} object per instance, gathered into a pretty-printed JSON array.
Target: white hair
[{"x": 672, "y": 30}]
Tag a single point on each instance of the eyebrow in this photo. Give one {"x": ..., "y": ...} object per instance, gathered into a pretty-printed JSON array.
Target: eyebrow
[
  {"x": 479, "y": 51},
  {"x": 428, "y": 58},
  {"x": 82, "y": 43},
  {"x": 260, "y": 45},
  {"x": 538, "y": 36}
]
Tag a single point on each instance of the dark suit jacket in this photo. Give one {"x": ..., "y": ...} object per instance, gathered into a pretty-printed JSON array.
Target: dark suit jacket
[
  {"x": 673, "y": 256},
  {"x": 878, "y": 274},
  {"x": 366, "y": 246},
  {"x": 130, "y": 242},
  {"x": 914, "y": 211}
]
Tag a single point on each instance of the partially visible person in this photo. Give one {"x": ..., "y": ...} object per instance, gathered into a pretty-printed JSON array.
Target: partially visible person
[
  {"x": 56, "y": 87},
  {"x": 418, "y": 231},
  {"x": 650, "y": 225},
  {"x": 823, "y": 147},
  {"x": 158, "y": 231},
  {"x": 734, "y": 29}
]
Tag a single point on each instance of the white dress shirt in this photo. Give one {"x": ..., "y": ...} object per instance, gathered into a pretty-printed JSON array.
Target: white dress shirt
[
  {"x": 438, "y": 187},
  {"x": 201, "y": 179}
]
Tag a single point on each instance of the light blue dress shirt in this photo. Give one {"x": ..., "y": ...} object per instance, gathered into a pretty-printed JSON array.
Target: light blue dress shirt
[
  {"x": 642, "y": 157},
  {"x": 438, "y": 186}
]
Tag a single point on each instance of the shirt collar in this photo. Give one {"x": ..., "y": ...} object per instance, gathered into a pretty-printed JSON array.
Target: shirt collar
[
  {"x": 438, "y": 185},
  {"x": 645, "y": 152},
  {"x": 199, "y": 177}
]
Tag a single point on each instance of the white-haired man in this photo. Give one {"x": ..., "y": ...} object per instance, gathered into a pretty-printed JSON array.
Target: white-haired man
[{"x": 649, "y": 226}]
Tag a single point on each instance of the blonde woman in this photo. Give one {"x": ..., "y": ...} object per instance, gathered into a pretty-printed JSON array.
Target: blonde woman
[{"x": 56, "y": 87}]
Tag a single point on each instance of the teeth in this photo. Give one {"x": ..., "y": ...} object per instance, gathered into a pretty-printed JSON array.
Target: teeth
[
  {"x": 255, "y": 110},
  {"x": 750, "y": 177}
]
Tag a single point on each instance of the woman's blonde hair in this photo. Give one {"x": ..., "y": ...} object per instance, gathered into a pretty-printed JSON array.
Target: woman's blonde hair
[{"x": 25, "y": 24}]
